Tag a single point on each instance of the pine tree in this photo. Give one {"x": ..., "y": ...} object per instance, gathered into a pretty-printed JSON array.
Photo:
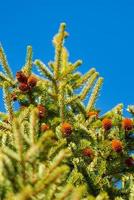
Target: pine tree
[{"x": 56, "y": 145}]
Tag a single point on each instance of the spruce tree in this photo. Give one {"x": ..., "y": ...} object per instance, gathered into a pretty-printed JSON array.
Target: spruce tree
[{"x": 57, "y": 145}]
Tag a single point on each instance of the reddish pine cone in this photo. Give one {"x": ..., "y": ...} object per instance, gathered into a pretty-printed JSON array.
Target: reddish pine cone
[
  {"x": 87, "y": 152},
  {"x": 23, "y": 87},
  {"x": 44, "y": 127},
  {"x": 107, "y": 123},
  {"x": 32, "y": 80},
  {"x": 117, "y": 145},
  {"x": 92, "y": 113},
  {"x": 21, "y": 77},
  {"x": 66, "y": 129},
  {"x": 129, "y": 162},
  {"x": 42, "y": 111},
  {"x": 127, "y": 124}
]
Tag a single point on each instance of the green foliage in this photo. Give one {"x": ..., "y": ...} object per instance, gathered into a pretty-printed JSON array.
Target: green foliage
[{"x": 55, "y": 146}]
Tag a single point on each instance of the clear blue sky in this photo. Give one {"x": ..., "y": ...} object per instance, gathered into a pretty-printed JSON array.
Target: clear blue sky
[{"x": 101, "y": 34}]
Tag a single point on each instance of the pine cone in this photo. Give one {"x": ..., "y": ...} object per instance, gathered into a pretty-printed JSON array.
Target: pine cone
[
  {"x": 32, "y": 80},
  {"x": 129, "y": 162},
  {"x": 107, "y": 124},
  {"x": 117, "y": 146},
  {"x": 21, "y": 77},
  {"x": 42, "y": 111},
  {"x": 24, "y": 87},
  {"x": 87, "y": 152},
  {"x": 127, "y": 124},
  {"x": 66, "y": 129}
]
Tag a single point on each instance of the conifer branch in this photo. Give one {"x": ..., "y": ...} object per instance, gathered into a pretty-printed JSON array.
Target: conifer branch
[
  {"x": 116, "y": 110},
  {"x": 72, "y": 99},
  {"x": 84, "y": 78},
  {"x": 88, "y": 179},
  {"x": 44, "y": 70},
  {"x": 48, "y": 179},
  {"x": 81, "y": 107},
  {"x": 23, "y": 115},
  {"x": 8, "y": 100},
  {"x": 64, "y": 59},
  {"x": 77, "y": 101},
  {"x": 61, "y": 101},
  {"x": 25, "y": 128},
  {"x": 88, "y": 86},
  {"x": 5, "y": 126},
  {"x": 59, "y": 146},
  {"x": 58, "y": 43},
  {"x": 28, "y": 65},
  {"x": 51, "y": 65},
  {"x": 1, "y": 84},
  {"x": 71, "y": 152},
  {"x": 12, "y": 154},
  {"x": 33, "y": 125},
  {"x": 18, "y": 138},
  {"x": 103, "y": 196},
  {"x": 78, "y": 192},
  {"x": 3, "y": 135},
  {"x": 25, "y": 132},
  {"x": 25, "y": 194},
  {"x": 65, "y": 192},
  {"x": 4, "y": 63},
  {"x": 51, "y": 192},
  {"x": 94, "y": 94},
  {"x": 130, "y": 109},
  {"x": 5, "y": 78},
  {"x": 54, "y": 172},
  {"x": 8, "y": 163},
  {"x": 35, "y": 148},
  {"x": 59, "y": 158},
  {"x": 71, "y": 68}
]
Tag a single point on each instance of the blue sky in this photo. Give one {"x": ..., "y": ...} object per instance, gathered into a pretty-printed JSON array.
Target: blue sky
[{"x": 101, "y": 34}]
